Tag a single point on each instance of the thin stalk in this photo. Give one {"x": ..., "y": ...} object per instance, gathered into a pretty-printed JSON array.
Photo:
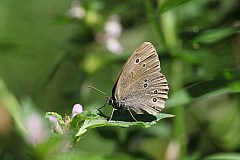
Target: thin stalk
[
  {"x": 165, "y": 29},
  {"x": 178, "y": 121},
  {"x": 168, "y": 26},
  {"x": 152, "y": 17}
]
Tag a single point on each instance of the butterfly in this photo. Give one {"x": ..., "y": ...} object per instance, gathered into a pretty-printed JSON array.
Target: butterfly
[{"x": 140, "y": 87}]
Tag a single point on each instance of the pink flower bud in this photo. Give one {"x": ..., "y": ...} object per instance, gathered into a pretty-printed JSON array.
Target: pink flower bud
[
  {"x": 57, "y": 127},
  {"x": 77, "y": 109}
]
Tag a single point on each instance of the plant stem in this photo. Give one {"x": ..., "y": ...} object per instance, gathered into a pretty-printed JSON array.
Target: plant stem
[
  {"x": 168, "y": 26},
  {"x": 152, "y": 17},
  {"x": 166, "y": 34},
  {"x": 178, "y": 122}
]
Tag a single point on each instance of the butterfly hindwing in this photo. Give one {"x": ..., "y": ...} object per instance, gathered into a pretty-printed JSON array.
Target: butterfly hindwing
[{"x": 140, "y": 85}]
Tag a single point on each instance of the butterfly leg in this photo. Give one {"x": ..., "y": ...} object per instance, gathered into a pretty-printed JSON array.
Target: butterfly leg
[
  {"x": 132, "y": 115},
  {"x": 111, "y": 115}
]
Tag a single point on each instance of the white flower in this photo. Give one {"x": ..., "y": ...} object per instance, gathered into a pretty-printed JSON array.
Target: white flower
[
  {"x": 76, "y": 10},
  {"x": 113, "y": 27},
  {"x": 113, "y": 30},
  {"x": 114, "y": 46}
]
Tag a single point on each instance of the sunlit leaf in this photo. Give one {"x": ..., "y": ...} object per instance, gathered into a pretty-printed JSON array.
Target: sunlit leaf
[
  {"x": 180, "y": 97},
  {"x": 9, "y": 101},
  {"x": 95, "y": 118},
  {"x": 192, "y": 56},
  {"x": 226, "y": 81},
  {"x": 232, "y": 156},
  {"x": 169, "y": 4},
  {"x": 212, "y": 36}
]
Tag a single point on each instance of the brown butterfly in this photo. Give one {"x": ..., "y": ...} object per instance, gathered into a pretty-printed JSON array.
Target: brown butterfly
[{"x": 140, "y": 87}]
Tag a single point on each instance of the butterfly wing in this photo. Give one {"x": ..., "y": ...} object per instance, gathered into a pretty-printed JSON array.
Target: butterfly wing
[{"x": 140, "y": 85}]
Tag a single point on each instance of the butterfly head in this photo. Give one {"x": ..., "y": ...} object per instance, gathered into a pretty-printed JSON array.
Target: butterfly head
[
  {"x": 114, "y": 103},
  {"x": 109, "y": 101}
]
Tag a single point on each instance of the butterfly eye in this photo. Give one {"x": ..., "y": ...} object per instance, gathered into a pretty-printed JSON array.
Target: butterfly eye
[
  {"x": 110, "y": 101},
  {"x": 144, "y": 65},
  {"x": 137, "y": 60},
  {"x": 145, "y": 85},
  {"x": 154, "y": 99},
  {"x": 155, "y": 92}
]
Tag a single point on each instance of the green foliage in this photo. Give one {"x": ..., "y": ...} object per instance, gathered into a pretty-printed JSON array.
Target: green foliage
[
  {"x": 49, "y": 54},
  {"x": 94, "y": 118},
  {"x": 167, "y": 5},
  {"x": 213, "y": 36},
  {"x": 233, "y": 156}
]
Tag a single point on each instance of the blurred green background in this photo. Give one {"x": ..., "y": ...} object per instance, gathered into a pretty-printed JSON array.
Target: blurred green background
[{"x": 50, "y": 51}]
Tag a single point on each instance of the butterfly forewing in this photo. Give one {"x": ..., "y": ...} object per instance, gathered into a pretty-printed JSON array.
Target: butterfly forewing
[{"x": 141, "y": 86}]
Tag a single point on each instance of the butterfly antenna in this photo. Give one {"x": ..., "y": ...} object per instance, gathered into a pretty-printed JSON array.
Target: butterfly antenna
[
  {"x": 98, "y": 90},
  {"x": 102, "y": 106},
  {"x": 105, "y": 95}
]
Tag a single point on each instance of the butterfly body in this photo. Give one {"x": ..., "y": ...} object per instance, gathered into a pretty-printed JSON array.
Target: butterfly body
[
  {"x": 140, "y": 86},
  {"x": 119, "y": 105}
]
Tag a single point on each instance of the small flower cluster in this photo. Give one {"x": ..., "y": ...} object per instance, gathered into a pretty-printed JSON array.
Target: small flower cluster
[
  {"x": 91, "y": 18},
  {"x": 76, "y": 10},
  {"x": 61, "y": 128},
  {"x": 113, "y": 30},
  {"x": 36, "y": 130}
]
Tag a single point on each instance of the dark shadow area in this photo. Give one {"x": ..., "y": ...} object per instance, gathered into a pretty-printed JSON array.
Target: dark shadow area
[{"x": 126, "y": 116}]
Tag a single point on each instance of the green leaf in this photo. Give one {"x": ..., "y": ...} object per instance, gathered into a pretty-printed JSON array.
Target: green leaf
[
  {"x": 94, "y": 118},
  {"x": 212, "y": 36},
  {"x": 232, "y": 156},
  {"x": 169, "y": 4},
  {"x": 10, "y": 102},
  {"x": 192, "y": 56},
  {"x": 178, "y": 98},
  {"x": 226, "y": 81}
]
